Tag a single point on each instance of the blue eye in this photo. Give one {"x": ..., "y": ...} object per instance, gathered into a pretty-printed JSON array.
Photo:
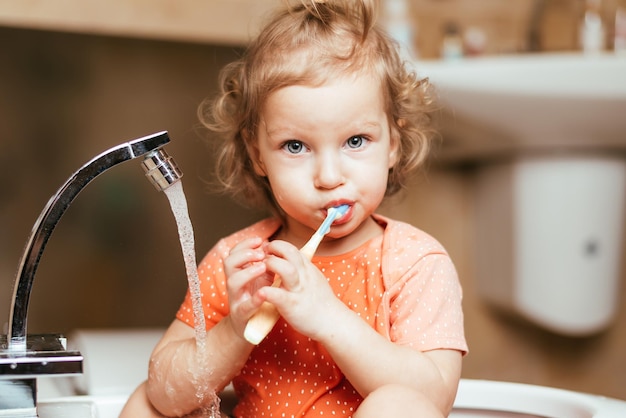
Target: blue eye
[
  {"x": 294, "y": 147},
  {"x": 356, "y": 141}
]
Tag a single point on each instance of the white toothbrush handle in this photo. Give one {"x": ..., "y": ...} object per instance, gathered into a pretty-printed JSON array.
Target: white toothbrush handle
[{"x": 262, "y": 322}]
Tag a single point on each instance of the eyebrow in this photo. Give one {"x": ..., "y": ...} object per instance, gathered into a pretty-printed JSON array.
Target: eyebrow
[
  {"x": 357, "y": 127},
  {"x": 372, "y": 124}
]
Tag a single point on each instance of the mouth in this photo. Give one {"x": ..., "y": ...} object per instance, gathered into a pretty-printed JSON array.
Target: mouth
[{"x": 345, "y": 217}]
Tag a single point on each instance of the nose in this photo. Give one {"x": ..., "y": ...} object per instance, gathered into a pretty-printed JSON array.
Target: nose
[{"x": 328, "y": 171}]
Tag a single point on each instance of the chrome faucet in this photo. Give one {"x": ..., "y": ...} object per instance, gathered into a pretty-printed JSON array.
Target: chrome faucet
[{"x": 24, "y": 357}]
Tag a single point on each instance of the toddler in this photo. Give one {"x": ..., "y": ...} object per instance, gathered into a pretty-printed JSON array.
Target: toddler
[{"x": 319, "y": 112}]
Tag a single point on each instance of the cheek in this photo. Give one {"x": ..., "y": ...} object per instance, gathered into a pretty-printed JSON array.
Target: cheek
[
  {"x": 371, "y": 183},
  {"x": 285, "y": 188}
]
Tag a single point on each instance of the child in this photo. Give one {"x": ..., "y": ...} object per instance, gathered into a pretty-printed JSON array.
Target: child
[{"x": 319, "y": 112}]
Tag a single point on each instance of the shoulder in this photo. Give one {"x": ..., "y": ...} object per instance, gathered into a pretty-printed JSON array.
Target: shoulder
[
  {"x": 400, "y": 238},
  {"x": 405, "y": 247}
]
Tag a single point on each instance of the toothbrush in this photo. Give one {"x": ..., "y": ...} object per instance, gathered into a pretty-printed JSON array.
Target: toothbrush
[{"x": 264, "y": 320}]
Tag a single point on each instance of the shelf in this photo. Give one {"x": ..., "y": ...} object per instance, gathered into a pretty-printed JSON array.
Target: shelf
[{"x": 228, "y": 22}]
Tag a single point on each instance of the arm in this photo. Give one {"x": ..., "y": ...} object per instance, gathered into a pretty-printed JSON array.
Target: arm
[
  {"x": 368, "y": 359},
  {"x": 178, "y": 369},
  {"x": 425, "y": 303}
]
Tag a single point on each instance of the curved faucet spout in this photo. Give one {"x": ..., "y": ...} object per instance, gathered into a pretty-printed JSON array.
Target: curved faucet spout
[{"x": 49, "y": 217}]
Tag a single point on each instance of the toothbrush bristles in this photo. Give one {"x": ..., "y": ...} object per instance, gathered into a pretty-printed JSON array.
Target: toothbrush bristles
[
  {"x": 340, "y": 210},
  {"x": 334, "y": 213}
]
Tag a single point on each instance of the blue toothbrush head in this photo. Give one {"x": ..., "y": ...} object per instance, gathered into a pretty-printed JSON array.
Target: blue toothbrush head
[
  {"x": 334, "y": 213},
  {"x": 339, "y": 211}
]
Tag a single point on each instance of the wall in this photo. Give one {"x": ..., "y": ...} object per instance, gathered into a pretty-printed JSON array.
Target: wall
[{"x": 114, "y": 260}]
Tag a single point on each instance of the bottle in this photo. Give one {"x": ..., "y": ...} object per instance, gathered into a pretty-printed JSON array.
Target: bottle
[
  {"x": 474, "y": 41},
  {"x": 398, "y": 24},
  {"x": 592, "y": 36},
  {"x": 452, "y": 44},
  {"x": 619, "y": 41}
]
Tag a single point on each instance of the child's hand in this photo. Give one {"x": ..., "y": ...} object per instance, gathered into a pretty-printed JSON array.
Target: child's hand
[
  {"x": 246, "y": 273},
  {"x": 304, "y": 299}
]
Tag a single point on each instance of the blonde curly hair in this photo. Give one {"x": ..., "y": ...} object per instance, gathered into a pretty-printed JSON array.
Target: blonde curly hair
[{"x": 309, "y": 44}]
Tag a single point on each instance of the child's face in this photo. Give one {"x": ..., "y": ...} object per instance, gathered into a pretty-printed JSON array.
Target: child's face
[{"x": 325, "y": 146}]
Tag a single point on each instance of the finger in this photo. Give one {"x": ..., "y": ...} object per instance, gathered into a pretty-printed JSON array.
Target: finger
[
  {"x": 251, "y": 304},
  {"x": 278, "y": 250},
  {"x": 281, "y": 249},
  {"x": 252, "y": 242},
  {"x": 243, "y": 276},
  {"x": 284, "y": 269},
  {"x": 246, "y": 252},
  {"x": 272, "y": 295}
]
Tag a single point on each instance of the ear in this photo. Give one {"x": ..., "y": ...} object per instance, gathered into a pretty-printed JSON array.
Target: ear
[
  {"x": 259, "y": 168},
  {"x": 394, "y": 144},
  {"x": 257, "y": 163}
]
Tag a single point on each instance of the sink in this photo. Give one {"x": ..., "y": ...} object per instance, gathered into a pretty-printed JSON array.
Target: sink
[
  {"x": 82, "y": 407},
  {"x": 547, "y": 136},
  {"x": 105, "y": 395},
  {"x": 475, "y": 399},
  {"x": 533, "y": 101}
]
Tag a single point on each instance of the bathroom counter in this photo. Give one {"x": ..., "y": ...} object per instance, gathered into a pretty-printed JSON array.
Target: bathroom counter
[{"x": 226, "y": 22}]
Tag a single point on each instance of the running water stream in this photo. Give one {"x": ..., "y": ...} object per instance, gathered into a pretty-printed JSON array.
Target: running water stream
[{"x": 178, "y": 203}]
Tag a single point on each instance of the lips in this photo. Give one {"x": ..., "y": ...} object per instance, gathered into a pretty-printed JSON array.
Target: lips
[{"x": 346, "y": 217}]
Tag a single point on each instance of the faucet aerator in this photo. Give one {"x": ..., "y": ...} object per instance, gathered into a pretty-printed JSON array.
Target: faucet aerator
[{"x": 161, "y": 169}]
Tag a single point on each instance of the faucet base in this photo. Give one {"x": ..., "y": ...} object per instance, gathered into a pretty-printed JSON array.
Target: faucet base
[
  {"x": 18, "y": 398},
  {"x": 45, "y": 354}
]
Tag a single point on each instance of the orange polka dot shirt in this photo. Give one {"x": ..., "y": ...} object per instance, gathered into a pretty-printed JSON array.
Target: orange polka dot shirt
[{"x": 402, "y": 283}]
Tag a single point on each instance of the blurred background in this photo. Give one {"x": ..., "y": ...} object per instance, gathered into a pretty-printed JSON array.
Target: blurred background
[{"x": 78, "y": 78}]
